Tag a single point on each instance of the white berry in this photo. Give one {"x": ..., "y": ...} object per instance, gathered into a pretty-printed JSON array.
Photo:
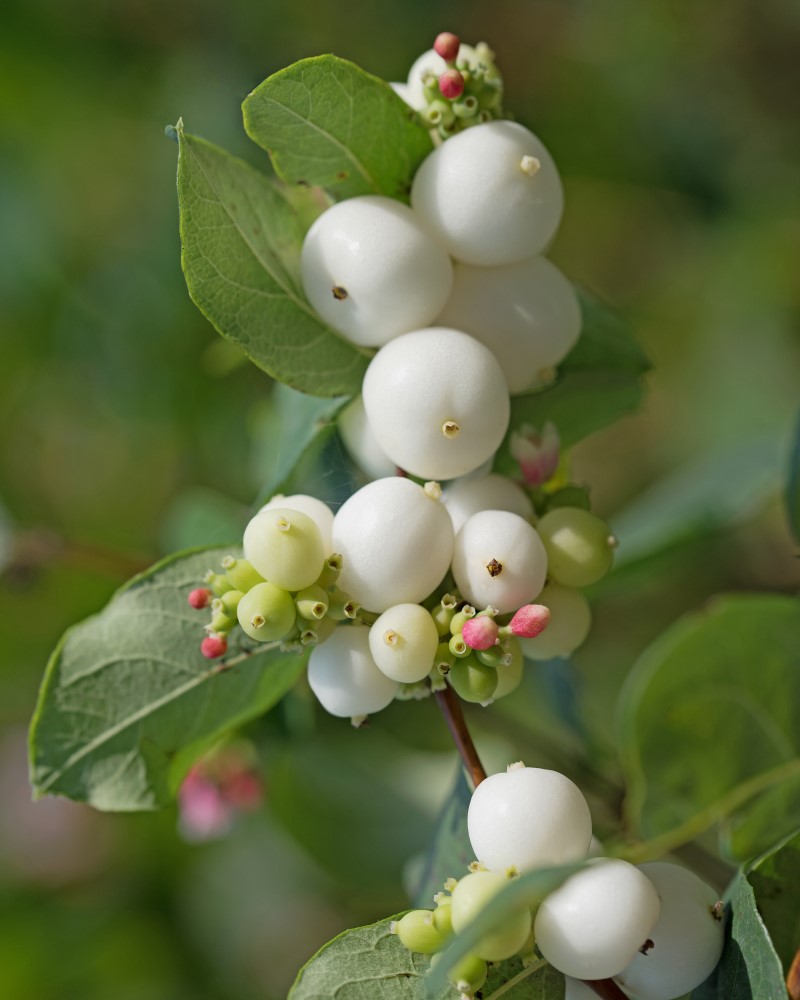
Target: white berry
[
  {"x": 396, "y": 542},
  {"x": 467, "y": 496},
  {"x": 361, "y": 443},
  {"x": 527, "y": 314},
  {"x": 437, "y": 402},
  {"x": 319, "y": 512},
  {"x": 686, "y": 941},
  {"x": 491, "y": 194},
  {"x": 595, "y": 923},
  {"x": 499, "y": 560},
  {"x": 372, "y": 272},
  {"x": 403, "y": 642},
  {"x": 526, "y": 818},
  {"x": 345, "y": 678}
]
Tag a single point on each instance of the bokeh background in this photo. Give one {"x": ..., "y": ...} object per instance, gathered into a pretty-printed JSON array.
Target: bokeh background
[{"x": 130, "y": 430}]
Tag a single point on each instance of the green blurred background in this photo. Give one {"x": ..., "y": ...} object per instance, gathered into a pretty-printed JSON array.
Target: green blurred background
[{"x": 130, "y": 430}]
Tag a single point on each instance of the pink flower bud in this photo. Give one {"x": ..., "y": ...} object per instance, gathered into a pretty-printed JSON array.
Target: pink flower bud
[
  {"x": 480, "y": 632},
  {"x": 451, "y": 84},
  {"x": 537, "y": 453},
  {"x": 214, "y": 646},
  {"x": 529, "y": 621},
  {"x": 447, "y": 45},
  {"x": 199, "y": 597},
  {"x": 204, "y": 815}
]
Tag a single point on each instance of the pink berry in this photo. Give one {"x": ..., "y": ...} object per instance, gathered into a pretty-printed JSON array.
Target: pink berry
[
  {"x": 451, "y": 84},
  {"x": 447, "y": 45},
  {"x": 480, "y": 632},
  {"x": 214, "y": 646},
  {"x": 200, "y": 597},
  {"x": 529, "y": 621}
]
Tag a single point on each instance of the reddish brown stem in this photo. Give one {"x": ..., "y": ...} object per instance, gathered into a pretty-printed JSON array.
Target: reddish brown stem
[
  {"x": 793, "y": 977},
  {"x": 450, "y": 704}
]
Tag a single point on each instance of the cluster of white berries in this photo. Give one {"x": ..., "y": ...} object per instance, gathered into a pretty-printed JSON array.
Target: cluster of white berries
[{"x": 657, "y": 928}]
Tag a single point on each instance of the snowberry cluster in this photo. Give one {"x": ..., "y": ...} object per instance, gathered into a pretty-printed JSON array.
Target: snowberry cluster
[{"x": 656, "y": 928}]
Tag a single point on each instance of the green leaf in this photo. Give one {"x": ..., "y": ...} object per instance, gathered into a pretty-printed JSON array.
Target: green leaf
[
  {"x": 326, "y": 122},
  {"x": 450, "y": 852},
  {"x": 749, "y": 968},
  {"x": 708, "y": 728},
  {"x": 524, "y": 891},
  {"x": 599, "y": 382},
  {"x": 294, "y": 429},
  {"x": 702, "y": 496},
  {"x": 370, "y": 962},
  {"x": 793, "y": 487},
  {"x": 128, "y": 701},
  {"x": 775, "y": 878},
  {"x": 241, "y": 238}
]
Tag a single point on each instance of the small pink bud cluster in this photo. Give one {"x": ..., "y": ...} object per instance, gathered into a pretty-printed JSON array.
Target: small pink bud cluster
[
  {"x": 482, "y": 632},
  {"x": 215, "y": 790},
  {"x": 537, "y": 452},
  {"x": 199, "y": 598},
  {"x": 529, "y": 621},
  {"x": 451, "y": 84},
  {"x": 447, "y": 45},
  {"x": 214, "y": 646}
]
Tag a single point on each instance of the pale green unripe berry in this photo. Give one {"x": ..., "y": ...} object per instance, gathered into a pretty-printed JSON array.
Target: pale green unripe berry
[
  {"x": 509, "y": 674},
  {"x": 418, "y": 932},
  {"x": 595, "y": 923},
  {"x": 319, "y": 512},
  {"x": 312, "y": 603},
  {"x": 372, "y": 271},
  {"x": 230, "y": 601},
  {"x": 286, "y": 547},
  {"x": 527, "y": 314},
  {"x": 570, "y": 621},
  {"x": 686, "y": 941},
  {"x": 580, "y": 546},
  {"x": 361, "y": 442},
  {"x": 467, "y": 975},
  {"x": 472, "y": 680},
  {"x": 437, "y": 402},
  {"x": 458, "y": 619},
  {"x": 491, "y": 195},
  {"x": 443, "y": 614},
  {"x": 403, "y": 642},
  {"x": 266, "y": 612},
  {"x": 499, "y": 561},
  {"x": 465, "y": 497},
  {"x": 345, "y": 678},
  {"x": 470, "y": 896},
  {"x": 443, "y": 916},
  {"x": 396, "y": 541},
  {"x": 242, "y": 575}
]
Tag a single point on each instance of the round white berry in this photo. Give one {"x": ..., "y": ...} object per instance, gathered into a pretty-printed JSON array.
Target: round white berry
[
  {"x": 345, "y": 678},
  {"x": 372, "y": 272},
  {"x": 527, "y": 314},
  {"x": 361, "y": 443},
  {"x": 490, "y": 194},
  {"x": 437, "y": 402},
  {"x": 686, "y": 942},
  {"x": 499, "y": 560},
  {"x": 396, "y": 542},
  {"x": 594, "y": 924},
  {"x": 319, "y": 512},
  {"x": 570, "y": 621},
  {"x": 526, "y": 818},
  {"x": 403, "y": 642},
  {"x": 467, "y": 496}
]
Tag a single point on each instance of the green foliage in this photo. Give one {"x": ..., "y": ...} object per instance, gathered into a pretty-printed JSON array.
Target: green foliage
[
  {"x": 129, "y": 702},
  {"x": 749, "y": 968},
  {"x": 708, "y": 730},
  {"x": 241, "y": 238},
  {"x": 775, "y": 879},
  {"x": 793, "y": 487},
  {"x": 327, "y": 123},
  {"x": 449, "y": 852},
  {"x": 599, "y": 382}
]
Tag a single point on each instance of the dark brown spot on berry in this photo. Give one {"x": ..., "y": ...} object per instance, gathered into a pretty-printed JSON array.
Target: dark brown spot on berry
[
  {"x": 339, "y": 293},
  {"x": 649, "y": 943},
  {"x": 494, "y": 568},
  {"x": 718, "y": 909}
]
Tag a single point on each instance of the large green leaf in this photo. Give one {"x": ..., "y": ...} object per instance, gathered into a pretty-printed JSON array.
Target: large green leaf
[
  {"x": 793, "y": 487},
  {"x": 128, "y": 701},
  {"x": 775, "y": 879},
  {"x": 749, "y": 968},
  {"x": 370, "y": 962},
  {"x": 326, "y": 122},
  {"x": 450, "y": 852},
  {"x": 599, "y": 382},
  {"x": 708, "y": 727},
  {"x": 241, "y": 238}
]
